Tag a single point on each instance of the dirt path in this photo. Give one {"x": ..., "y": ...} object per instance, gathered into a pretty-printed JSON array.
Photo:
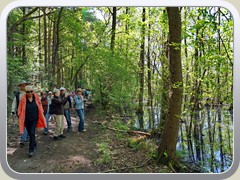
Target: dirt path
[
  {"x": 76, "y": 153},
  {"x": 98, "y": 150}
]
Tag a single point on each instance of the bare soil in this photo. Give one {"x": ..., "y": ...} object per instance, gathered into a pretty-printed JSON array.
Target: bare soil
[{"x": 79, "y": 153}]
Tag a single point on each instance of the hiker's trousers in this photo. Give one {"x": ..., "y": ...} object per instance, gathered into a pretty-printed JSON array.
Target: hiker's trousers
[
  {"x": 59, "y": 124},
  {"x": 80, "y": 113}
]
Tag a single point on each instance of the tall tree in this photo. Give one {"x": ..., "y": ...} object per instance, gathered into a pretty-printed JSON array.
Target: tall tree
[
  {"x": 114, "y": 21},
  {"x": 39, "y": 75},
  {"x": 141, "y": 71},
  {"x": 168, "y": 142},
  {"x": 56, "y": 41},
  {"x": 24, "y": 58},
  {"x": 149, "y": 72},
  {"x": 45, "y": 39}
]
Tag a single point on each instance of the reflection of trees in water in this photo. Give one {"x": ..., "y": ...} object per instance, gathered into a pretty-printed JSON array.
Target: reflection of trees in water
[{"x": 211, "y": 143}]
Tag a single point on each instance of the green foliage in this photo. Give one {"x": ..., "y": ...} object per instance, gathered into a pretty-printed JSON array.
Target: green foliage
[
  {"x": 120, "y": 125},
  {"x": 85, "y": 57},
  {"x": 148, "y": 146},
  {"x": 105, "y": 153},
  {"x": 181, "y": 154}
]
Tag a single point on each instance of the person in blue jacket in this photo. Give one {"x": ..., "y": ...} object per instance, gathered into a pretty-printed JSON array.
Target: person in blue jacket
[{"x": 79, "y": 106}]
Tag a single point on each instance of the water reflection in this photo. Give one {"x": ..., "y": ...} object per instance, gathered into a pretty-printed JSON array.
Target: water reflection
[{"x": 211, "y": 137}]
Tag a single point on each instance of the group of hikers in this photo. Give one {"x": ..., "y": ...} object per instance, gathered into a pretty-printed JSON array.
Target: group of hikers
[{"x": 34, "y": 111}]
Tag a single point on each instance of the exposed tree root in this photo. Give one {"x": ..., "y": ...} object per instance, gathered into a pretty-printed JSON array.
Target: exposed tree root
[{"x": 176, "y": 166}]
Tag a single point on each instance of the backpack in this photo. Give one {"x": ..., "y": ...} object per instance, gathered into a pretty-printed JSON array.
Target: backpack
[
  {"x": 44, "y": 104},
  {"x": 51, "y": 109},
  {"x": 17, "y": 95}
]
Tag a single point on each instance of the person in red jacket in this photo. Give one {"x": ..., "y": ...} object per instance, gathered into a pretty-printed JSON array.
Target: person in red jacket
[{"x": 30, "y": 113}]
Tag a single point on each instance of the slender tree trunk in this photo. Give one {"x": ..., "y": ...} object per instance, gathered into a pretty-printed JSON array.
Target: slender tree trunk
[
  {"x": 59, "y": 64},
  {"x": 220, "y": 138},
  {"x": 197, "y": 137},
  {"x": 189, "y": 142},
  {"x": 202, "y": 140},
  {"x": 56, "y": 42},
  {"x": 149, "y": 71},
  {"x": 54, "y": 48},
  {"x": 229, "y": 136},
  {"x": 170, "y": 132},
  {"x": 71, "y": 69},
  {"x": 127, "y": 32},
  {"x": 219, "y": 98},
  {"x": 45, "y": 41},
  {"x": 210, "y": 137},
  {"x": 165, "y": 88},
  {"x": 39, "y": 79},
  {"x": 49, "y": 55},
  {"x": 182, "y": 137},
  {"x": 141, "y": 73},
  {"x": 24, "y": 58},
  {"x": 214, "y": 122},
  {"x": 114, "y": 21},
  {"x": 186, "y": 106}
]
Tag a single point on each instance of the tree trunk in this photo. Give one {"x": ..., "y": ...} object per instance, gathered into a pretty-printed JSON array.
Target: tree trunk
[
  {"x": 141, "y": 73},
  {"x": 24, "y": 58},
  {"x": 165, "y": 88},
  {"x": 219, "y": 98},
  {"x": 45, "y": 41},
  {"x": 202, "y": 140},
  {"x": 229, "y": 136},
  {"x": 59, "y": 64},
  {"x": 114, "y": 21},
  {"x": 71, "y": 68},
  {"x": 197, "y": 136},
  {"x": 210, "y": 136},
  {"x": 220, "y": 137},
  {"x": 56, "y": 42},
  {"x": 150, "y": 96},
  {"x": 185, "y": 104},
  {"x": 49, "y": 54},
  {"x": 39, "y": 75},
  {"x": 170, "y": 132}
]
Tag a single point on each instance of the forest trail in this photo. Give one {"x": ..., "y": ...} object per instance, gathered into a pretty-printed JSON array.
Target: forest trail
[
  {"x": 79, "y": 153},
  {"x": 76, "y": 153}
]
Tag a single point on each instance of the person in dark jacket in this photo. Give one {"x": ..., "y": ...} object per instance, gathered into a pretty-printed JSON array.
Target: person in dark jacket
[
  {"x": 67, "y": 108},
  {"x": 30, "y": 113},
  {"x": 58, "y": 111}
]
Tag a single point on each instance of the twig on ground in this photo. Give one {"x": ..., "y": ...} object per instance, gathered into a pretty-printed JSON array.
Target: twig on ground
[
  {"x": 124, "y": 131},
  {"x": 129, "y": 167}
]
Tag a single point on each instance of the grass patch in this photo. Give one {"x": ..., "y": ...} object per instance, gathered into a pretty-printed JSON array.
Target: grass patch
[
  {"x": 141, "y": 144},
  {"x": 105, "y": 153},
  {"x": 119, "y": 125}
]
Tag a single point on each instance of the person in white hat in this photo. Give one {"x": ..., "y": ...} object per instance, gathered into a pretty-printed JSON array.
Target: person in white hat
[
  {"x": 58, "y": 111},
  {"x": 50, "y": 95},
  {"x": 18, "y": 95}
]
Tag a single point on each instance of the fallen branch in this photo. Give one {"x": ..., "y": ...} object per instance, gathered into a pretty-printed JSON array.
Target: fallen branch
[
  {"x": 171, "y": 167},
  {"x": 124, "y": 131},
  {"x": 129, "y": 167}
]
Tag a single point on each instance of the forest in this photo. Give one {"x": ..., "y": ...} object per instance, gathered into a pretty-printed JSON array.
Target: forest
[{"x": 165, "y": 73}]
